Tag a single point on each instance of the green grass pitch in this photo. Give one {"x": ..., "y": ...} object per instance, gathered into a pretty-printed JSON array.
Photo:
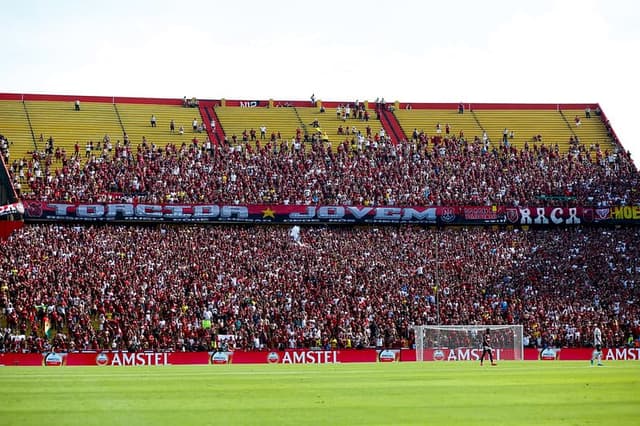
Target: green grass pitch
[{"x": 463, "y": 393}]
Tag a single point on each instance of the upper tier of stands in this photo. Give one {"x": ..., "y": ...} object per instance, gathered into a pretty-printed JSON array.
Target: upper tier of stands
[
  {"x": 290, "y": 122},
  {"x": 330, "y": 123},
  {"x": 527, "y": 126},
  {"x": 237, "y": 121},
  {"x": 550, "y": 126},
  {"x": 14, "y": 125},
  {"x": 68, "y": 127},
  {"x": 591, "y": 130},
  {"x": 30, "y": 122},
  {"x": 426, "y": 120},
  {"x": 136, "y": 120}
]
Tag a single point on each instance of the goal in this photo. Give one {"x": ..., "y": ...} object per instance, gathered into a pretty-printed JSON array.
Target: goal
[{"x": 464, "y": 342}]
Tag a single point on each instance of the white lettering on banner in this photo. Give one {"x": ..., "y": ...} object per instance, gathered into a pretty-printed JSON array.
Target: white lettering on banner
[
  {"x": 241, "y": 212},
  {"x": 622, "y": 354},
  {"x": 310, "y": 357},
  {"x": 149, "y": 210},
  {"x": 540, "y": 219},
  {"x": 556, "y": 215},
  {"x": 206, "y": 211},
  {"x": 467, "y": 354},
  {"x": 203, "y": 212},
  {"x": 132, "y": 359},
  {"x": 331, "y": 212},
  {"x": 90, "y": 210},
  {"x": 114, "y": 209},
  {"x": 311, "y": 212},
  {"x": 388, "y": 213},
  {"x": 176, "y": 211},
  {"x": 428, "y": 214},
  {"x": 359, "y": 213}
]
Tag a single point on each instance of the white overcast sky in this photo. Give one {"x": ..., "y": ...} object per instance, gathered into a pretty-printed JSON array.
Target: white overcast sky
[{"x": 548, "y": 51}]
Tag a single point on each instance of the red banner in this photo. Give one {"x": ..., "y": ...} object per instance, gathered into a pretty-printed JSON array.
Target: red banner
[
  {"x": 122, "y": 359},
  {"x": 305, "y": 357},
  {"x": 457, "y": 354}
]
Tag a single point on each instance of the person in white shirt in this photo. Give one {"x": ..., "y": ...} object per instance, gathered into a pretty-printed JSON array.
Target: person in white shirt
[{"x": 597, "y": 344}]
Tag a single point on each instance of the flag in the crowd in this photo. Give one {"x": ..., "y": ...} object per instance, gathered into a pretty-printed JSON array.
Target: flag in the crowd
[
  {"x": 48, "y": 331},
  {"x": 294, "y": 233},
  {"x": 206, "y": 324}
]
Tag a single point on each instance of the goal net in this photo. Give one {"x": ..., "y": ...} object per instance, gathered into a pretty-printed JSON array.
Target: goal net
[{"x": 464, "y": 342}]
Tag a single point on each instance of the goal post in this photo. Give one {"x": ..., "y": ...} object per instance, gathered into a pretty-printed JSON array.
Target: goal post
[{"x": 464, "y": 342}]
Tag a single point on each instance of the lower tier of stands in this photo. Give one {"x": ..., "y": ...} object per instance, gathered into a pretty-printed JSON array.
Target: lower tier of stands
[{"x": 69, "y": 287}]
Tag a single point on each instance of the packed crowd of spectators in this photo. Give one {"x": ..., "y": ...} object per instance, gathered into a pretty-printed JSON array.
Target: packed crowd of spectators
[
  {"x": 363, "y": 170},
  {"x": 181, "y": 288},
  {"x": 174, "y": 288}
]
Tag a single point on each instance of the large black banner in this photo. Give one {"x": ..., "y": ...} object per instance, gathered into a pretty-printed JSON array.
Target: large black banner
[{"x": 300, "y": 214}]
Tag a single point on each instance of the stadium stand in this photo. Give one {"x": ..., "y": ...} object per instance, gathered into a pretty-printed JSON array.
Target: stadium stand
[
  {"x": 159, "y": 287},
  {"x": 239, "y": 123},
  {"x": 14, "y": 125},
  {"x": 450, "y": 172},
  {"x": 141, "y": 288},
  {"x": 334, "y": 126},
  {"x": 136, "y": 120},
  {"x": 71, "y": 129},
  {"x": 592, "y": 130},
  {"x": 426, "y": 120},
  {"x": 526, "y": 126}
]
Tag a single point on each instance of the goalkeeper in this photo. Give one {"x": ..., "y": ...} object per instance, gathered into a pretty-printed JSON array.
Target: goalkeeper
[{"x": 486, "y": 347}]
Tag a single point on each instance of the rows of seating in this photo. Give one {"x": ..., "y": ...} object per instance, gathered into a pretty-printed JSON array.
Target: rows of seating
[
  {"x": 238, "y": 123},
  {"x": 178, "y": 288},
  {"x": 68, "y": 127},
  {"x": 426, "y": 121},
  {"x": 521, "y": 126},
  {"x": 93, "y": 121},
  {"x": 136, "y": 120},
  {"x": 336, "y": 127},
  {"x": 15, "y": 127},
  {"x": 591, "y": 130},
  {"x": 59, "y": 120},
  {"x": 449, "y": 171},
  {"x": 526, "y": 125}
]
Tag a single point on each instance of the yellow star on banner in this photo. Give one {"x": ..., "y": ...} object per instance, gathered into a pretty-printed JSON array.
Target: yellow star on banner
[{"x": 268, "y": 213}]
